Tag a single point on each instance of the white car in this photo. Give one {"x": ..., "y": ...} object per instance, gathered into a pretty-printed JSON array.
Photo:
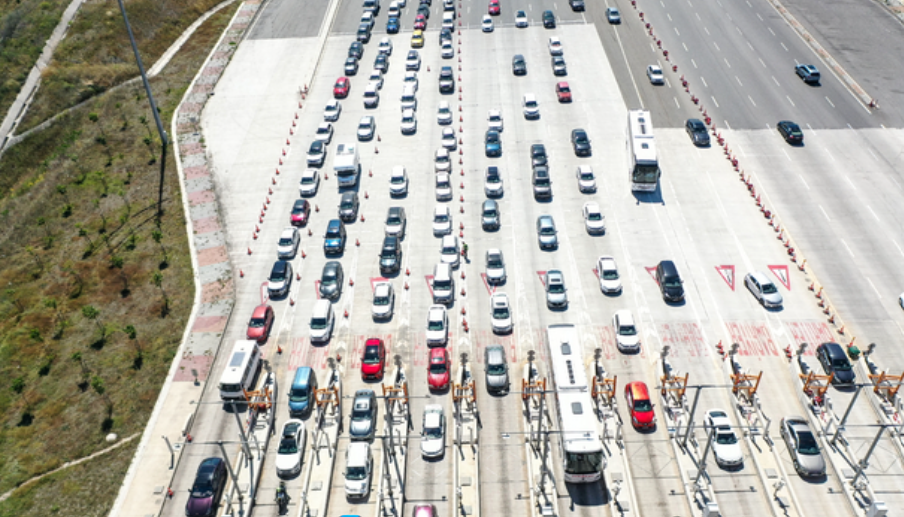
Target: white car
[
  {"x": 332, "y": 111},
  {"x": 291, "y": 448},
  {"x": 443, "y": 114},
  {"x": 607, "y": 270},
  {"x": 385, "y": 46},
  {"x": 520, "y": 19},
  {"x": 594, "y": 220},
  {"x": 376, "y": 79},
  {"x": 487, "y": 23},
  {"x": 494, "y": 120},
  {"x": 448, "y": 140},
  {"x": 763, "y": 289},
  {"x": 449, "y": 251},
  {"x": 383, "y": 302},
  {"x": 441, "y": 161},
  {"x": 654, "y": 73},
  {"x": 433, "y": 433},
  {"x": 324, "y": 132},
  {"x": 555, "y": 46},
  {"x": 310, "y": 181},
  {"x": 398, "y": 181},
  {"x": 437, "y": 326},
  {"x": 410, "y": 78},
  {"x": 627, "y": 338},
  {"x": 447, "y": 51},
  {"x": 366, "y": 128},
  {"x": 501, "y": 313},
  {"x": 287, "y": 246},
  {"x": 409, "y": 122},
  {"x": 443, "y": 187},
  {"x": 413, "y": 61},
  {"x": 495, "y": 267},
  {"x": 442, "y": 221},
  {"x": 726, "y": 448},
  {"x": 586, "y": 178}
]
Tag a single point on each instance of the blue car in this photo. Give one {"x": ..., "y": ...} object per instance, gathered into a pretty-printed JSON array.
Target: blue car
[
  {"x": 493, "y": 143},
  {"x": 392, "y": 26}
]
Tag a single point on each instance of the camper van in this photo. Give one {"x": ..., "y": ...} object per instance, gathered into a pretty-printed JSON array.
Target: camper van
[{"x": 241, "y": 370}]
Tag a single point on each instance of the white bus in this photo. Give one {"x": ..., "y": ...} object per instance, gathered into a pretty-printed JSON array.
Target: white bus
[
  {"x": 582, "y": 451},
  {"x": 643, "y": 169}
]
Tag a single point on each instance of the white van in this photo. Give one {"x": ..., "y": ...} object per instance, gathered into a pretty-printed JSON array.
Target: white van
[
  {"x": 449, "y": 20},
  {"x": 443, "y": 284},
  {"x": 371, "y": 96},
  {"x": 241, "y": 370},
  {"x": 358, "y": 469},
  {"x": 531, "y": 106},
  {"x": 409, "y": 101},
  {"x": 322, "y": 321}
]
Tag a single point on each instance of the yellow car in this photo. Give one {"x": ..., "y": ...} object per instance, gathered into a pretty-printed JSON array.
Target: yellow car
[{"x": 417, "y": 39}]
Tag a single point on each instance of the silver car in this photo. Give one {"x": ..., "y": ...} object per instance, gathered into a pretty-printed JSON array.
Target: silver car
[
  {"x": 495, "y": 267},
  {"x": 363, "y": 420},
  {"x": 763, "y": 289},
  {"x": 496, "y": 369},
  {"x": 556, "y": 296},
  {"x": 546, "y": 232},
  {"x": 802, "y": 447}
]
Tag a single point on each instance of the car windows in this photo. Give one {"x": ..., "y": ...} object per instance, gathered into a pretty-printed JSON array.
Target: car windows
[{"x": 806, "y": 444}]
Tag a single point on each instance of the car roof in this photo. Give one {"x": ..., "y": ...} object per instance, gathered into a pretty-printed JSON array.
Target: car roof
[
  {"x": 449, "y": 240},
  {"x": 331, "y": 266},
  {"x": 592, "y": 206},
  {"x": 499, "y": 298},
  {"x": 431, "y": 418},
  {"x": 760, "y": 277},
  {"x": 288, "y": 232},
  {"x": 435, "y": 310},
  {"x": 489, "y": 203},
  {"x": 554, "y": 275},
  {"x": 562, "y": 84},
  {"x": 545, "y": 219},
  {"x": 347, "y": 196},
  {"x": 605, "y": 259},
  {"x": 300, "y": 203},
  {"x": 260, "y": 311},
  {"x": 437, "y": 355},
  {"x": 280, "y": 266}
]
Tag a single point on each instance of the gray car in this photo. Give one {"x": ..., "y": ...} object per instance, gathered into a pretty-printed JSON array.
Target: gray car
[
  {"x": 363, "y": 420},
  {"x": 763, "y": 289},
  {"x": 348, "y": 206},
  {"x": 546, "y": 232},
  {"x": 496, "y": 369},
  {"x": 489, "y": 216},
  {"x": 556, "y": 296},
  {"x": 802, "y": 447},
  {"x": 331, "y": 280}
]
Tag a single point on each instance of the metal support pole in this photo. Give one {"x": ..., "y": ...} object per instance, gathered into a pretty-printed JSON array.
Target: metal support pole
[
  {"x": 847, "y": 412},
  {"x": 235, "y": 479},
  {"x": 862, "y": 464},
  {"x": 544, "y": 467},
  {"x": 690, "y": 418},
  {"x": 701, "y": 467},
  {"x": 238, "y": 422},
  {"x": 172, "y": 462}
]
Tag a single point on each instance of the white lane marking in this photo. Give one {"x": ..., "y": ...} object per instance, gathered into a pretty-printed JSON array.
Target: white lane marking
[
  {"x": 727, "y": 125},
  {"x": 727, "y": 63},
  {"x": 789, "y": 100},
  {"x": 707, "y": 31},
  {"x": 749, "y": 45},
  {"x": 738, "y": 79},
  {"x": 874, "y": 213},
  {"x": 751, "y": 100},
  {"x": 830, "y": 102},
  {"x": 783, "y": 46},
  {"x": 676, "y": 31},
  {"x": 809, "y": 127},
  {"x": 776, "y": 81},
  {"x": 770, "y": 30},
  {"x": 847, "y": 247},
  {"x": 762, "y": 62},
  {"x": 872, "y": 153},
  {"x": 668, "y": 83},
  {"x": 803, "y": 181},
  {"x": 625, "y": 57},
  {"x": 825, "y": 213},
  {"x": 662, "y": 4},
  {"x": 758, "y": 16},
  {"x": 714, "y": 100},
  {"x": 702, "y": 80},
  {"x": 698, "y": 17},
  {"x": 879, "y": 296},
  {"x": 685, "y": 46},
  {"x": 717, "y": 47},
  {"x": 901, "y": 251},
  {"x": 694, "y": 63},
  {"x": 676, "y": 102},
  {"x": 788, "y": 156},
  {"x": 748, "y": 4},
  {"x": 729, "y": 17},
  {"x": 669, "y": 16},
  {"x": 851, "y": 183},
  {"x": 739, "y": 30}
]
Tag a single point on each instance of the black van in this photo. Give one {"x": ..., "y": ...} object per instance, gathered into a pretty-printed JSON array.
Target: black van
[{"x": 670, "y": 282}]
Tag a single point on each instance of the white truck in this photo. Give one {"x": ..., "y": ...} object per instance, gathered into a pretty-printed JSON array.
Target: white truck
[{"x": 346, "y": 165}]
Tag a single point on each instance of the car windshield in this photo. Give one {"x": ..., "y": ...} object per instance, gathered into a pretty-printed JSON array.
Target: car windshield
[
  {"x": 277, "y": 276},
  {"x": 371, "y": 355},
  {"x": 285, "y": 241},
  {"x": 393, "y": 219},
  {"x": 364, "y": 125},
  {"x": 531, "y": 104},
  {"x": 299, "y": 395},
  {"x": 397, "y": 179},
  {"x": 444, "y": 110},
  {"x": 586, "y": 176},
  {"x": 495, "y": 118},
  {"x": 381, "y": 300},
  {"x": 769, "y": 289},
  {"x": 564, "y": 89},
  {"x": 541, "y": 181},
  {"x": 442, "y": 183},
  {"x": 307, "y": 180},
  {"x": 726, "y": 438},
  {"x": 672, "y": 283},
  {"x": 356, "y": 473},
  {"x": 435, "y": 325},
  {"x": 494, "y": 261},
  {"x": 580, "y": 138},
  {"x": 347, "y": 204},
  {"x": 440, "y": 218},
  {"x": 643, "y": 405},
  {"x": 316, "y": 147},
  {"x": 202, "y": 489},
  {"x": 388, "y": 253},
  {"x": 547, "y": 230},
  {"x": 318, "y": 323},
  {"x": 492, "y": 138},
  {"x": 610, "y": 274},
  {"x": 257, "y": 323},
  {"x": 594, "y": 216},
  {"x": 500, "y": 313},
  {"x": 449, "y": 250},
  {"x": 433, "y": 432},
  {"x": 627, "y": 330},
  {"x": 438, "y": 367},
  {"x": 288, "y": 446},
  {"x": 806, "y": 444},
  {"x": 556, "y": 288},
  {"x": 328, "y": 279},
  {"x": 331, "y": 107},
  {"x": 322, "y": 130},
  {"x": 360, "y": 414},
  {"x": 297, "y": 210},
  {"x": 496, "y": 369},
  {"x": 442, "y": 159},
  {"x": 332, "y": 234},
  {"x": 841, "y": 365},
  {"x": 489, "y": 212}
]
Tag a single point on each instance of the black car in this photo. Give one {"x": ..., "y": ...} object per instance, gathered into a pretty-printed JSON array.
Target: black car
[
  {"x": 538, "y": 155},
  {"x": 363, "y": 33},
  {"x": 549, "y": 20},
  {"x": 489, "y": 216},
  {"x": 576, "y": 5},
  {"x": 696, "y": 129},
  {"x": 331, "y": 280},
  {"x": 790, "y": 132},
  {"x": 348, "y": 206},
  {"x": 519, "y": 65},
  {"x": 581, "y": 142},
  {"x": 356, "y": 50},
  {"x": 206, "y": 491},
  {"x": 446, "y": 80},
  {"x": 808, "y": 73},
  {"x": 835, "y": 362},
  {"x": 381, "y": 63},
  {"x": 425, "y": 10},
  {"x": 280, "y": 280},
  {"x": 390, "y": 255}
]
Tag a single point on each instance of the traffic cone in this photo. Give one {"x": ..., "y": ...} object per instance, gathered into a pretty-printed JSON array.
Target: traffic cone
[
  {"x": 279, "y": 349},
  {"x": 345, "y": 313},
  {"x": 365, "y": 195},
  {"x": 351, "y": 282},
  {"x": 277, "y": 170},
  {"x": 379, "y": 139},
  {"x": 316, "y": 209},
  {"x": 362, "y": 218},
  {"x": 357, "y": 242},
  {"x": 254, "y": 235},
  {"x": 462, "y": 275},
  {"x": 461, "y": 198},
  {"x": 303, "y": 254},
  {"x": 249, "y": 251},
  {"x": 407, "y": 272},
  {"x": 463, "y": 311},
  {"x": 370, "y": 173},
  {"x": 273, "y": 180},
  {"x": 309, "y": 232},
  {"x": 241, "y": 274},
  {"x": 297, "y": 276},
  {"x": 291, "y": 301},
  {"x": 376, "y": 150}
]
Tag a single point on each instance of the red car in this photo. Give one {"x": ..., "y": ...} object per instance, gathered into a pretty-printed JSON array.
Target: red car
[
  {"x": 563, "y": 92},
  {"x": 261, "y": 323},
  {"x": 420, "y": 22},
  {"x": 494, "y": 7},
  {"x": 340, "y": 91},
  {"x": 439, "y": 369},
  {"x": 301, "y": 210},
  {"x": 640, "y": 407},
  {"x": 374, "y": 361}
]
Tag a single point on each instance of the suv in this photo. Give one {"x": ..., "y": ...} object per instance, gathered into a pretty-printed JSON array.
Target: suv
[
  {"x": 363, "y": 420},
  {"x": 280, "y": 279},
  {"x": 519, "y": 66},
  {"x": 541, "y": 182},
  {"x": 489, "y": 217},
  {"x": 334, "y": 238},
  {"x": 390, "y": 255},
  {"x": 446, "y": 80},
  {"x": 669, "y": 281},
  {"x": 396, "y": 221},
  {"x": 348, "y": 206},
  {"x": 549, "y": 20},
  {"x": 808, "y": 73}
]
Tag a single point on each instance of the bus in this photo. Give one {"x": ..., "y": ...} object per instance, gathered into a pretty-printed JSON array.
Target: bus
[
  {"x": 643, "y": 170},
  {"x": 581, "y": 448}
]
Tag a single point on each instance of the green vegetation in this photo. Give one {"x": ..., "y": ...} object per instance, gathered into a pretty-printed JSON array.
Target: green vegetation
[{"x": 95, "y": 292}]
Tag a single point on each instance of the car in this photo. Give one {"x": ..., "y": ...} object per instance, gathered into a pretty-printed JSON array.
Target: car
[
  {"x": 385, "y": 46},
  {"x": 375, "y": 79},
  {"x": 392, "y": 25},
  {"x": 555, "y": 46},
  {"x": 790, "y": 132},
  {"x": 439, "y": 369},
  {"x": 563, "y": 92},
  {"x": 334, "y": 238},
  {"x": 446, "y": 80},
  {"x": 331, "y": 280},
  {"x": 487, "y": 23},
  {"x": 520, "y": 19},
  {"x": 398, "y": 182},
  {"x": 576, "y": 5},
  {"x": 541, "y": 182},
  {"x": 495, "y": 267},
  {"x": 301, "y": 211},
  {"x": 586, "y": 179},
  {"x": 408, "y": 126},
  {"x": 390, "y": 255},
  {"x": 437, "y": 326},
  {"x": 351, "y": 66},
  {"x": 654, "y": 74},
  {"x": 410, "y": 79},
  {"x": 280, "y": 280},
  {"x": 613, "y": 16},
  {"x": 607, "y": 271},
  {"x": 538, "y": 155},
  {"x": 447, "y": 51},
  {"x": 556, "y": 295},
  {"x": 495, "y": 365},
  {"x": 763, "y": 289},
  {"x": 316, "y": 153},
  {"x": 396, "y": 222},
  {"x": 417, "y": 39},
  {"x": 310, "y": 182},
  {"x": 441, "y": 161},
  {"x": 546, "y": 232},
  {"x": 493, "y": 186},
  {"x": 356, "y": 50},
  {"x": 362, "y": 424},
  {"x": 803, "y": 447},
  {"x": 366, "y": 128},
  {"x": 445, "y": 35},
  {"x": 383, "y": 303},
  {"x": 413, "y": 61},
  {"x": 443, "y": 187},
  {"x": 420, "y": 22},
  {"x": 443, "y": 114},
  {"x": 835, "y": 362},
  {"x": 594, "y": 220},
  {"x": 640, "y": 407},
  {"x": 448, "y": 139},
  {"x": 291, "y": 448},
  {"x": 424, "y": 9},
  {"x": 809, "y": 73},
  {"x": 519, "y": 65},
  {"x": 558, "y": 66},
  {"x": 207, "y": 488},
  {"x": 493, "y": 143},
  {"x": 494, "y": 120},
  {"x": 324, "y": 132},
  {"x": 671, "y": 286},
  {"x": 581, "y": 143},
  {"x": 260, "y": 324},
  {"x": 332, "y": 111},
  {"x": 442, "y": 221},
  {"x": 367, "y": 18},
  {"x": 341, "y": 88},
  {"x": 359, "y": 467},
  {"x": 448, "y": 5},
  {"x": 381, "y": 63},
  {"x": 433, "y": 444},
  {"x": 626, "y": 335},
  {"x": 901, "y": 300},
  {"x": 450, "y": 253},
  {"x": 363, "y": 34},
  {"x": 494, "y": 8},
  {"x": 501, "y": 313},
  {"x": 549, "y": 20},
  {"x": 530, "y": 106},
  {"x": 725, "y": 444},
  {"x": 348, "y": 206},
  {"x": 489, "y": 215},
  {"x": 287, "y": 246},
  {"x": 696, "y": 130}
]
